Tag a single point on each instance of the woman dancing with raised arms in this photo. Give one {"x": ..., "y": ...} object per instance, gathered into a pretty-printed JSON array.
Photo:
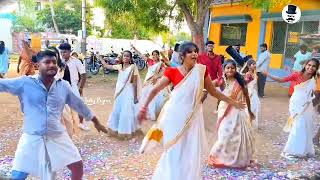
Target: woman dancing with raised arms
[
  {"x": 122, "y": 121},
  {"x": 180, "y": 127},
  {"x": 301, "y": 111}
]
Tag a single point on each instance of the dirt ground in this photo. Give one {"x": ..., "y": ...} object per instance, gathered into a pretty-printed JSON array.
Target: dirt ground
[{"x": 108, "y": 158}]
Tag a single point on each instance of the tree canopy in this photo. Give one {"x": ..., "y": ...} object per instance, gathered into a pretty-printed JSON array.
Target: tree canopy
[
  {"x": 129, "y": 19},
  {"x": 67, "y": 16},
  {"x": 153, "y": 15},
  {"x": 26, "y": 17}
]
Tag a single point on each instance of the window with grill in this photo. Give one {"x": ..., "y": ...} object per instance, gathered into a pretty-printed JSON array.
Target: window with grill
[
  {"x": 232, "y": 34},
  {"x": 310, "y": 27},
  {"x": 278, "y": 37}
]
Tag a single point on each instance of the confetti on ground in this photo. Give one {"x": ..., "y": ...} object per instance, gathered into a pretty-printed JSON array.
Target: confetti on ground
[{"x": 107, "y": 158}]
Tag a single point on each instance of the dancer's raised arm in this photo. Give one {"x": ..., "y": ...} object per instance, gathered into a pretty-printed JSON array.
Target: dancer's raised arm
[{"x": 208, "y": 85}]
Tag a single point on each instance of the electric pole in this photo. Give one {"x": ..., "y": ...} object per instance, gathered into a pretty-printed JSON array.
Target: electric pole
[{"x": 84, "y": 31}]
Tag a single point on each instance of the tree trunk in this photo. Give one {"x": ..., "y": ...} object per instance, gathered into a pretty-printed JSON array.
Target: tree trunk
[
  {"x": 197, "y": 37},
  {"x": 196, "y": 22},
  {"x": 53, "y": 18}
]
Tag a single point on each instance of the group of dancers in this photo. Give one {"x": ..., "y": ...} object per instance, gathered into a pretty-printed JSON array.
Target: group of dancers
[{"x": 170, "y": 96}]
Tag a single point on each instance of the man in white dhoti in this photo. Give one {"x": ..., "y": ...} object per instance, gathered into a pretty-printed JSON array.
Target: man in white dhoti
[{"x": 45, "y": 146}]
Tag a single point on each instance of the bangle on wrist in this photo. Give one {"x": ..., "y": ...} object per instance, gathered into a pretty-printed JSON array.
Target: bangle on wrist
[{"x": 144, "y": 108}]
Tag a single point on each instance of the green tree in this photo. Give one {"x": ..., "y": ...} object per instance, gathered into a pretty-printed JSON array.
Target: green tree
[
  {"x": 152, "y": 14},
  {"x": 26, "y": 17},
  {"x": 67, "y": 16},
  {"x": 182, "y": 36},
  {"x": 129, "y": 19}
]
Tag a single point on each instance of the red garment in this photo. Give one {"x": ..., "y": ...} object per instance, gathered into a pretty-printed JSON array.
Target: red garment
[
  {"x": 295, "y": 79},
  {"x": 175, "y": 76},
  {"x": 213, "y": 65},
  {"x": 150, "y": 62}
]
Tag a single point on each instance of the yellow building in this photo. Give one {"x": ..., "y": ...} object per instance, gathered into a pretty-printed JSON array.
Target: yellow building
[{"x": 239, "y": 23}]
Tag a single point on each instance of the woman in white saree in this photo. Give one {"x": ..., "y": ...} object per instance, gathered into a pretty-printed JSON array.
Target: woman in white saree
[
  {"x": 235, "y": 145},
  {"x": 180, "y": 127},
  {"x": 155, "y": 72},
  {"x": 301, "y": 111},
  {"x": 122, "y": 121},
  {"x": 250, "y": 76}
]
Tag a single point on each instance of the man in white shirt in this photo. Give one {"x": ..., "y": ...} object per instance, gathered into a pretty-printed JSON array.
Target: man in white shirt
[
  {"x": 300, "y": 57},
  {"x": 76, "y": 68},
  {"x": 263, "y": 63}
]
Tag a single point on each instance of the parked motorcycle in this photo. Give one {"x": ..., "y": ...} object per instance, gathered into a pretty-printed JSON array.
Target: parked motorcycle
[
  {"x": 141, "y": 64},
  {"x": 94, "y": 63}
]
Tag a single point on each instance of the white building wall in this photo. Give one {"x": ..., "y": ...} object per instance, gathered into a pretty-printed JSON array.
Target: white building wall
[{"x": 5, "y": 33}]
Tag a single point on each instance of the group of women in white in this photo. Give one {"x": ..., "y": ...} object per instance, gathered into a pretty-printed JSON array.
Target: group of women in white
[{"x": 179, "y": 127}]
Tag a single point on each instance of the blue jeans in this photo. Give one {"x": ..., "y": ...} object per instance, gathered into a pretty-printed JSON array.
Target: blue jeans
[{"x": 18, "y": 175}]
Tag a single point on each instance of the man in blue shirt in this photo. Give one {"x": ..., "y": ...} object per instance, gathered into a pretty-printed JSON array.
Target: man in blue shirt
[
  {"x": 44, "y": 146},
  {"x": 263, "y": 63}
]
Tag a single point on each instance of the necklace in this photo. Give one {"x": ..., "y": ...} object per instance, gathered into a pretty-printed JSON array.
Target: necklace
[{"x": 228, "y": 83}]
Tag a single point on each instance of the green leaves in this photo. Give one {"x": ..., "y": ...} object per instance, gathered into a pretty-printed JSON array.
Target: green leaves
[
  {"x": 27, "y": 18},
  {"x": 67, "y": 16},
  {"x": 130, "y": 18}
]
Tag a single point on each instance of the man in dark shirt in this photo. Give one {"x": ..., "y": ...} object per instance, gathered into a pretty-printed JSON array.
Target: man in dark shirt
[{"x": 212, "y": 62}]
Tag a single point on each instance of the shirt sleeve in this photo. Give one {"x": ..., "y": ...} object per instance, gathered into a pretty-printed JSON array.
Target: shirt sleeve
[
  {"x": 219, "y": 67},
  {"x": 168, "y": 73},
  {"x": 206, "y": 73},
  {"x": 199, "y": 61},
  {"x": 291, "y": 77},
  {"x": 80, "y": 67},
  {"x": 260, "y": 60},
  {"x": 77, "y": 104},
  {"x": 296, "y": 54},
  {"x": 13, "y": 85}
]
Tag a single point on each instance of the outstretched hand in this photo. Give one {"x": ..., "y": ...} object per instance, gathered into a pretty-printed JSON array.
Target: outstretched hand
[
  {"x": 99, "y": 127},
  {"x": 265, "y": 73},
  {"x": 142, "y": 115},
  {"x": 240, "y": 105},
  {"x": 252, "y": 116}
]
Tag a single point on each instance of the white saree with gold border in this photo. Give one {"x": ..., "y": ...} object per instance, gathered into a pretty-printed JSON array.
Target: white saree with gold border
[
  {"x": 254, "y": 101},
  {"x": 123, "y": 118},
  {"x": 234, "y": 147},
  {"x": 300, "y": 123},
  {"x": 157, "y": 103},
  {"x": 180, "y": 130}
]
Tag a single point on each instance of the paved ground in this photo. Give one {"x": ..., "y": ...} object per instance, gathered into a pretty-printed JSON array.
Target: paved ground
[{"x": 109, "y": 158}]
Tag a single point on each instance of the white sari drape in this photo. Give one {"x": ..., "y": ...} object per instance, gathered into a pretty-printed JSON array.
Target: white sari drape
[
  {"x": 180, "y": 130},
  {"x": 254, "y": 101},
  {"x": 300, "y": 122},
  {"x": 123, "y": 117},
  {"x": 157, "y": 103},
  {"x": 235, "y": 145}
]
